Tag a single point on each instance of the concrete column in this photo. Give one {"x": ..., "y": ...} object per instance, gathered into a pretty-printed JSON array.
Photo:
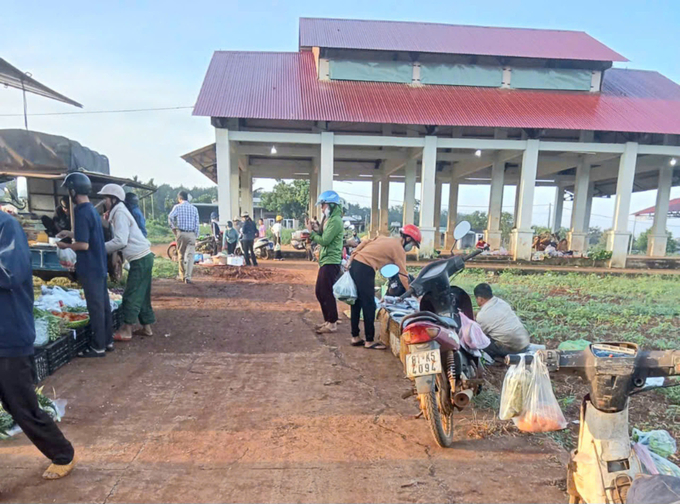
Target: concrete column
[
  {"x": 453, "y": 213},
  {"x": 522, "y": 234},
  {"x": 658, "y": 237},
  {"x": 313, "y": 193},
  {"x": 410, "y": 192},
  {"x": 577, "y": 236},
  {"x": 492, "y": 234},
  {"x": 375, "y": 208},
  {"x": 437, "y": 212},
  {"x": 227, "y": 176},
  {"x": 618, "y": 237},
  {"x": 559, "y": 206},
  {"x": 589, "y": 209},
  {"x": 326, "y": 164},
  {"x": 515, "y": 216},
  {"x": 247, "y": 189},
  {"x": 385, "y": 205},
  {"x": 427, "y": 188}
]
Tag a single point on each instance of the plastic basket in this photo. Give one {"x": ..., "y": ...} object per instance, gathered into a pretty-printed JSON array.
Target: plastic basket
[
  {"x": 59, "y": 352},
  {"x": 42, "y": 368},
  {"x": 81, "y": 339},
  {"x": 117, "y": 318}
]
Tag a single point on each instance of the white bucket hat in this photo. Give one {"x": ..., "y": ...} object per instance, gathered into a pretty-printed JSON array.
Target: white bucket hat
[{"x": 113, "y": 190}]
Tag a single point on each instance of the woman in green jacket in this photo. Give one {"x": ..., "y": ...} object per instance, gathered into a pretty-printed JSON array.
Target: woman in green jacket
[{"x": 330, "y": 238}]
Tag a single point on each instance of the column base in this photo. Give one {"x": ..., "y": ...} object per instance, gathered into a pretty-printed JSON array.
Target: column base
[
  {"x": 656, "y": 246},
  {"x": 427, "y": 245},
  {"x": 493, "y": 238},
  {"x": 617, "y": 244},
  {"x": 521, "y": 241},
  {"x": 578, "y": 241}
]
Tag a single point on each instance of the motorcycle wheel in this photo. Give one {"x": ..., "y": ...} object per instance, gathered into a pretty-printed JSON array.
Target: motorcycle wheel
[
  {"x": 441, "y": 424},
  {"x": 172, "y": 253}
]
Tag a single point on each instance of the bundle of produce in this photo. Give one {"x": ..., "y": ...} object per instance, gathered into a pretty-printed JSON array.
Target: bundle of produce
[
  {"x": 62, "y": 282},
  {"x": 47, "y": 327},
  {"x": 73, "y": 320},
  {"x": 55, "y": 409}
]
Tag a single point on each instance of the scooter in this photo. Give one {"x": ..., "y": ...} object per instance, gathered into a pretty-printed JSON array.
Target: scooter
[
  {"x": 603, "y": 466},
  {"x": 264, "y": 248},
  {"x": 446, "y": 374},
  {"x": 301, "y": 241}
]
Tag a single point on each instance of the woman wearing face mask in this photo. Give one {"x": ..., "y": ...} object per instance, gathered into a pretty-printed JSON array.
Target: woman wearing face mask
[
  {"x": 330, "y": 238},
  {"x": 368, "y": 257},
  {"x": 128, "y": 238}
]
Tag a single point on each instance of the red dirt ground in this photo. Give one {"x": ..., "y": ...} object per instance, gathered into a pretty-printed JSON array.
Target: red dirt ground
[{"x": 236, "y": 399}]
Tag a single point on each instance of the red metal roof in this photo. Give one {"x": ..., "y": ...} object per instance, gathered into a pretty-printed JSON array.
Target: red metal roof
[
  {"x": 453, "y": 39},
  {"x": 265, "y": 85},
  {"x": 673, "y": 207}
]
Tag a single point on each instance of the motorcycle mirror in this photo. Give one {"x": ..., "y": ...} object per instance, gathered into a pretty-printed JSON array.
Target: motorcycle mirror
[
  {"x": 389, "y": 270},
  {"x": 346, "y": 224},
  {"x": 462, "y": 229}
]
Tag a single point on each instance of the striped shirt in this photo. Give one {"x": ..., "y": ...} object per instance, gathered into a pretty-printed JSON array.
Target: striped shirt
[{"x": 184, "y": 217}]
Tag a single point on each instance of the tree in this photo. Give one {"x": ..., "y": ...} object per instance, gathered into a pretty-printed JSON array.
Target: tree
[
  {"x": 595, "y": 235},
  {"x": 641, "y": 242},
  {"x": 288, "y": 199},
  {"x": 478, "y": 220}
]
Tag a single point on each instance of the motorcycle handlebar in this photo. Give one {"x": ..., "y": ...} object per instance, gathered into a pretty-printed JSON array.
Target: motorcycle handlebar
[
  {"x": 406, "y": 294},
  {"x": 472, "y": 254}
]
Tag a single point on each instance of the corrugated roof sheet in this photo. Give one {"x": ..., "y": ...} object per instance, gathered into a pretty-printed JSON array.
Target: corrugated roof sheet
[
  {"x": 673, "y": 207},
  {"x": 453, "y": 39},
  {"x": 265, "y": 85}
]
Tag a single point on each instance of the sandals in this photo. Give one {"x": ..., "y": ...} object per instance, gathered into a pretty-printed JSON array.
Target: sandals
[
  {"x": 91, "y": 352},
  {"x": 374, "y": 345},
  {"x": 58, "y": 471},
  {"x": 357, "y": 341},
  {"x": 118, "y": 337}
]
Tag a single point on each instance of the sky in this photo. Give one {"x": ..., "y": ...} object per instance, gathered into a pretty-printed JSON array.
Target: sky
[{"x": 139, "y": 55}]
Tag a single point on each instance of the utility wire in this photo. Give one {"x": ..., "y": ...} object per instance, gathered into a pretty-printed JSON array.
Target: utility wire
[{"x": 121, "y": 111}]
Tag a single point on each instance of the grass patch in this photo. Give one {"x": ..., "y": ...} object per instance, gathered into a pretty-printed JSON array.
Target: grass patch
[
  {"x": 159, "y": 233},
  {"x": 164, "y": 268}
]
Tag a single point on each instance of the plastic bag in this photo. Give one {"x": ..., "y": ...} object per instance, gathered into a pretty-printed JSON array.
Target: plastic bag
[
  {"x": 472, "y": 335},
  {"x": 579, "y": 344},
  {"x": 665, "y": 466},
  {"x": 643, "y": 453},
  {"x": 515, "y": 386},
  {"x": 658, "y": 441},
  {"x": 345, "y": 289},
  {"x": 42, "y": 336},
  {"x": 67, "y": 258},
  {"x": 540, "y": 412}
]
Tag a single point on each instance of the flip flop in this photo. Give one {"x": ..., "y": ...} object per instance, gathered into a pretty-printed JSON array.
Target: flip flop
[
  {"x": 357, "y": 342},
  {"x": 118, "y": 337},
  {"x": 91, "y": 352},
  {"x": 57, "y": 471},
  {"x": 374, "y": 345}
]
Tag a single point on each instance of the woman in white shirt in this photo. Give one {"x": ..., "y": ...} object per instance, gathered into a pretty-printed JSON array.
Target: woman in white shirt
[{"x": 136, "y": 249}]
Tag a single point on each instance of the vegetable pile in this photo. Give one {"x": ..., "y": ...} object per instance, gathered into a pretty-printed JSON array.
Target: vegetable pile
[{"x": 7, "y": 423}]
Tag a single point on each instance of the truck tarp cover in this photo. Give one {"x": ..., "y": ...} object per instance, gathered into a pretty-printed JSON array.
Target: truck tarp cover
[{"x": 30, "y": 150}]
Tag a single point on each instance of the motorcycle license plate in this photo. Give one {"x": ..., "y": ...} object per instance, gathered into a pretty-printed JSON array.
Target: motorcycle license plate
[{"x": 423, "y": 363}]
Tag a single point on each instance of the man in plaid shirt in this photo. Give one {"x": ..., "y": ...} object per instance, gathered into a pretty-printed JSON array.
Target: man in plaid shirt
[{"x": 183, "y": 220}]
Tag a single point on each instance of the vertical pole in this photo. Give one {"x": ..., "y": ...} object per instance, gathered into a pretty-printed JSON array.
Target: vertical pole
[
  {"x": 427, "y": 188},
  {"x": 385, "y": 205},
  {"x": 409, "y": 192},
  {"x": 577, "y": 235},
  {"x": 313, "y": 193},
  {"x": 453, "y": 212},
  {"x": 437, "y": 212},
  {"x": 617, "y": 238},
  {"x": 224, "y": 179},
  {"x": 522, "y": 234},
  {"x": 375, "y": 207},
  {"x": 492, "y": 235}
]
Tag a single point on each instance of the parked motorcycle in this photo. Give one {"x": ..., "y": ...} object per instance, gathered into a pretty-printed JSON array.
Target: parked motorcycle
[
  {"x": 204, "y": 244},
  {"x": 264, "y": 248},
  {"x": 300, "y": 241},
  {"x": 446, "y": 374}
]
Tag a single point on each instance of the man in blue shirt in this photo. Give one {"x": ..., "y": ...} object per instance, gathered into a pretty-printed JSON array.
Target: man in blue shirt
[
  {"x": 17, "y": 335},
  {"x": 88, "y": 237},
  {"x": 183, "y": 220}
]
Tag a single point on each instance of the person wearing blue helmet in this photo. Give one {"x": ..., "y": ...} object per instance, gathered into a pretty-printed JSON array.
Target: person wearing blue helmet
[{"x": 330, "y": 239}]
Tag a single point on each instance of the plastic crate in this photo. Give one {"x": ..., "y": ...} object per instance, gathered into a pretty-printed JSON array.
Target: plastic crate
[
  {"x": 117, "y": 317},
  {"x": 81, "y": 339},
  {"x": 60, "y": 352},
  {"x": 42, "y": 368}
]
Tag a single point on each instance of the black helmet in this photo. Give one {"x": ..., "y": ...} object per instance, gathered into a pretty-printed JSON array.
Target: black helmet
[
  {"x": 78, "y": 183},
  {"x": 131, "y": 199},
  {"x": 213, "y": 216}
]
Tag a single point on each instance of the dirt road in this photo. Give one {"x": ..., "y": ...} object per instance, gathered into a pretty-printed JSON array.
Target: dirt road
[{"x": 235, "y": 399}]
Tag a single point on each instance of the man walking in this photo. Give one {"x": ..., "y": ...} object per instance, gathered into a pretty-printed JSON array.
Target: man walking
[
  {"x": 17, "y": 367},
  {"x": 91, "y": 270},
  {"x": 249, "y": 232},
  {"x": 183, "y": 220}
]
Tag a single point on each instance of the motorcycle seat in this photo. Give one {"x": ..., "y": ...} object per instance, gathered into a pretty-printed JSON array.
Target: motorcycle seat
[{"x": 426, "y": 316}]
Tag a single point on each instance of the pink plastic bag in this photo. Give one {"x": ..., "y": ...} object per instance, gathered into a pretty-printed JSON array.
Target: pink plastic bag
[{"x": 472, "y": 335}]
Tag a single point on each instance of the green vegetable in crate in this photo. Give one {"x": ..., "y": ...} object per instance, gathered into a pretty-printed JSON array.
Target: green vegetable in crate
[{"x": 6, "y": 423}]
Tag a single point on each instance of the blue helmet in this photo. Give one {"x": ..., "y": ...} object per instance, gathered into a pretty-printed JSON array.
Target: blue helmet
[{"x": 329, "y": 197}]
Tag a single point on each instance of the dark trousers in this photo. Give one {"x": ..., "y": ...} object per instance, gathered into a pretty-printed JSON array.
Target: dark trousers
[
  {"x": 499, "y": 351},
  {"x": 19, "y": 400},
  {"x": 99, "y": 307},
  {"x": 248, "y": 251},
  {"x": 364, "y": 278},
  {"x": 231, "y": 247},
  {"x": 328, "y": 275},
  {"x": 277, "y": 246}
]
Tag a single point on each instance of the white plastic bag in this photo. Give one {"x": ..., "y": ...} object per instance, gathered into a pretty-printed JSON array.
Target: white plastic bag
[
  {"x": 42, "y": 336},
  {"x": 515, "y": 386},
  {"x": 472, "y": 335},
  {"x": 345, "y": 289},
  {"x": 541, "y": 412},
  {"x": 67, "y": 258}
]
